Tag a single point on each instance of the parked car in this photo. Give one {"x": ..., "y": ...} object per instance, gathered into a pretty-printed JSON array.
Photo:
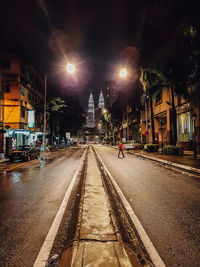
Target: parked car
[
  {"x": 132, "y": 145},
  {"x": 24, "y": 153}
]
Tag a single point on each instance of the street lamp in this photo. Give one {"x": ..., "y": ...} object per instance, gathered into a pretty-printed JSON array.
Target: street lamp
[
  {"x": 123, "y": 73},
  {"x": 45, "y": 110},
  {"x": 194, "y": 136},
  {"x": 70, "y": 68},
  {"x": 104, "y": 111}
]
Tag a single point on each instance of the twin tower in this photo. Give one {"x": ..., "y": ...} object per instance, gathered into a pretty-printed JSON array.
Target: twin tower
[{"x": 91, "y": 118}]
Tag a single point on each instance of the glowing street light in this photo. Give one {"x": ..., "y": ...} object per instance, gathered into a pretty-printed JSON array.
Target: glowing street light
[
  {"x": 104, "y": 111},
  {"x": 123, "y": 73},
  {"x": 71, "y": 68}
]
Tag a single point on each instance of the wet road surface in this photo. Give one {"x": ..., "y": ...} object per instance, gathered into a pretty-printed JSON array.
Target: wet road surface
[
  {"x": 166, "y": 202},
  {"x": 30, "y": 195}
]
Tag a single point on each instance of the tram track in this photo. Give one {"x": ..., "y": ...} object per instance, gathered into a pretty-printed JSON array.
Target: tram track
[{"x": 119, "y": 233}]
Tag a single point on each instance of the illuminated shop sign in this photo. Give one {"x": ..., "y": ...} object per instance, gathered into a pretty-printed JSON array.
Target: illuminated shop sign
[{"x": 31, "y": 118}]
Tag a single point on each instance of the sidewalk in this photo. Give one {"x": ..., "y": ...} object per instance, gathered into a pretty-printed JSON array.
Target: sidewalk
[
  {"x": 187, "y": 161},
  {"x": 97, "y": 244}
]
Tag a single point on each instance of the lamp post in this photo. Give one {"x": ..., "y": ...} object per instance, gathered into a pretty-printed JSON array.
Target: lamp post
[
  {"x": 194, "y": 136},
  {"x": 71, "y": 69},
  {"x": 45, "y": 110}
]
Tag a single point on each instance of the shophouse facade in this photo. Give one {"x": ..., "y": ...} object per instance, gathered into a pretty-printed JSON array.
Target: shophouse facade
[
  {"x": 21, "y": 94},
  {"x": 187, "y": 120}
]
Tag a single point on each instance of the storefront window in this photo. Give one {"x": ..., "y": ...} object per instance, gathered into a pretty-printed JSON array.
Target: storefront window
[{"x": 184, "y": 127}]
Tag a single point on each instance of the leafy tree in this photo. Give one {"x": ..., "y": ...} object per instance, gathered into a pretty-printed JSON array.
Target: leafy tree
[
  {"x": 63, "y": 115},
  {"x": 74, "y": 118},
  {"x": 54, "y": 111},
  {"x": 56, "y": 107}
]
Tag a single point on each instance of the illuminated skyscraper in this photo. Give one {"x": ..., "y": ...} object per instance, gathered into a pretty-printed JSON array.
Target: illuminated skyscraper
[
  {"x": 90, "y": 117},
  {"x": 101, "y": 101}
]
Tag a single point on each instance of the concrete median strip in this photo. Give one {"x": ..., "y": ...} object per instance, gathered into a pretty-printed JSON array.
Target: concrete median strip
[{"x": 98, "y": 244}]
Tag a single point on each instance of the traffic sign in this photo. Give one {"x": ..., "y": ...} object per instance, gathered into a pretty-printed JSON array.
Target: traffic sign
[{"x": 146, "y": 133}]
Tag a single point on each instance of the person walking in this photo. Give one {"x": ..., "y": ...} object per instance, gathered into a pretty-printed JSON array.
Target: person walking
[{"x": 121, "y": 150}]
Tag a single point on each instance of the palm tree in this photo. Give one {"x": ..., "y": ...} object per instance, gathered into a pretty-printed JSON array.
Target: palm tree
[
  {"x": 153, "y": 82},
  {"x": 111, "y": 123},
  {"x": 182, "y": 71}
]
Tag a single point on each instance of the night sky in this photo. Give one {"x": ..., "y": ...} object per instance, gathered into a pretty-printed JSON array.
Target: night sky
[{"x": 93, "y": 34}]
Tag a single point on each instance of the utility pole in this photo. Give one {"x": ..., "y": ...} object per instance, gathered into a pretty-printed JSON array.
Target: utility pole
[
  {"x": 45, "y": 108},
  {"x": 1, "y": 100},
  {"x": 1, "y": 112},
  {"x": 194, "y": 135},
  {"x": 146, "y": 122}
]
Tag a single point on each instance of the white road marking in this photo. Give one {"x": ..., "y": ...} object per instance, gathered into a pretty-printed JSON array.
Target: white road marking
[
  {"x": 48, "y": 243},
  {"x": 156, "y": 259}
]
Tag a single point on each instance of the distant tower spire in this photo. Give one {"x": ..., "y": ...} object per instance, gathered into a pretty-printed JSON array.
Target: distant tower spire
[
  {"x": 101, "y": 101},
  {"x": 90, "y": 119}
]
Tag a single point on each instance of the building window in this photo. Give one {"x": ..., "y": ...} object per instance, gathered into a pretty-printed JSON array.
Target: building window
[
  {"x": 158, "y": 98},
  {"x": 22, "y": 91},
  {"x": 22, "y": 113},
  {"x": 29, "y": 96},
  {"x": 23, "y": 82},
  {"x": 185, "y": 127},
  {"x": 6, "y": 88}
]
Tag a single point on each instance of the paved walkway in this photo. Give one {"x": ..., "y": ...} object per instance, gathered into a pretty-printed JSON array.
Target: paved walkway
[{"x": 187, "y": 159}]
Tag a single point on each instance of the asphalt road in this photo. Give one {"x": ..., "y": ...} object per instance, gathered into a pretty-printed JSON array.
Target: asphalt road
[
  {"x": 166, "y": 202},
  {"x": 30, "y": 195}
]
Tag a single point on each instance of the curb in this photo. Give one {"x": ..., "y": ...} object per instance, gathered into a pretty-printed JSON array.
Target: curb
[
  {"x": 4, "y": 160},
  {"x": 170, "y": 163},
  {"x": 166, "y": 162}
]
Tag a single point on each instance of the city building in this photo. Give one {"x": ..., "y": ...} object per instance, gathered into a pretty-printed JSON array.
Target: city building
[
  {"x": 21, "y": 88},
  {"x": 187, "y": 120},
  {"x": 98, "y": 110},
  {"x": 136, "y": 122},
  {"x": 91, "y": 114},
  {"x": 110, "y": 94},
  {"x": 101, "y": 103}
]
